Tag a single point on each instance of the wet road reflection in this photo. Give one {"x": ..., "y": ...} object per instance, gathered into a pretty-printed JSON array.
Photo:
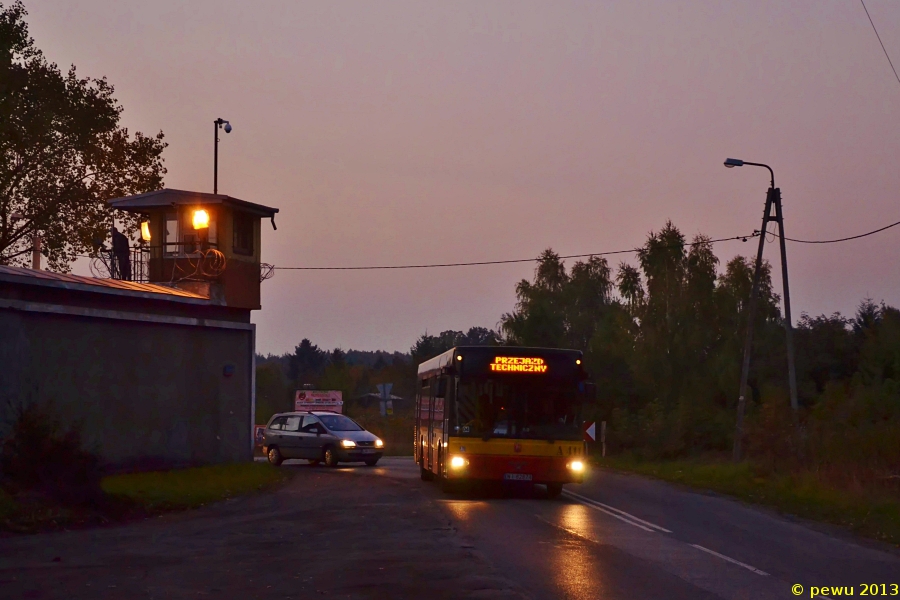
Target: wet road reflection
[
  {"x": 576, "y": 572},
  {"x": 464, "y": 510},
  {"x": 577, "y": 519}
]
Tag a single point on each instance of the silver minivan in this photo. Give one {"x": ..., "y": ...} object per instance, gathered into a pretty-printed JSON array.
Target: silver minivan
[{"x": 320, "y": 436}]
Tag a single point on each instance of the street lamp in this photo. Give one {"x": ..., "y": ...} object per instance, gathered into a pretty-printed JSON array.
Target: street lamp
[
  {"x": 773, "y": 198},
  {"x": 217, "y": 124}
]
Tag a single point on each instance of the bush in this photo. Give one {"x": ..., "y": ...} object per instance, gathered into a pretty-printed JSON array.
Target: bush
[{"x": 38, "y": 456}]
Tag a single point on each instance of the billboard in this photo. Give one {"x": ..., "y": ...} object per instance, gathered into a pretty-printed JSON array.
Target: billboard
[{"x": 319, "y": 400}]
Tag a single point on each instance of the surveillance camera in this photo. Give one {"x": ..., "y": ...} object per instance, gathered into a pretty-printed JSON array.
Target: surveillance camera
[{"x": 227, "y": 127}]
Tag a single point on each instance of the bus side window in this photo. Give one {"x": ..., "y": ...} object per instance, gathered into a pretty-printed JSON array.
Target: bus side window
[
  {"x": 440, "y": 393},
  {"x": 424, "y": 399}
]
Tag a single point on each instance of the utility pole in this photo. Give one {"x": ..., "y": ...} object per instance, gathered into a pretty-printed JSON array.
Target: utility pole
[
  {"x": 773, "y": 199},
  {"x": 216, "y": 125},
  {"x": 788, "y": 324},
  {"x": 36, "y": 251}
]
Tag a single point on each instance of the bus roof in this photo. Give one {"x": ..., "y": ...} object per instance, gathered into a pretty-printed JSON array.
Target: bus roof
[{"x": 435, "y": 365}]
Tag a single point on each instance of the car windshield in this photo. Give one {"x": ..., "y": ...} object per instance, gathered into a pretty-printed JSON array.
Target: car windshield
[{"x": 339, "y": 423}]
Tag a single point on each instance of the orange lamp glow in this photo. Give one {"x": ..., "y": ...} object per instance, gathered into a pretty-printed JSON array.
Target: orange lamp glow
[
  {"x": 145, "y": 231},
  {"x": 201, "y": 219}
]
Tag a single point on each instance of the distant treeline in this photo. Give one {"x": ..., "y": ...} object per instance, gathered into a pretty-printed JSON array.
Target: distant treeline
[{"x": 354, "y": 372}]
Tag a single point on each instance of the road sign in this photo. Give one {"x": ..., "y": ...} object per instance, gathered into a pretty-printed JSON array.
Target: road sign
[
  {"x": 319, "y": 400},
  {"x": 590, "y": 431},
  {"x": 386, "y": 407}
]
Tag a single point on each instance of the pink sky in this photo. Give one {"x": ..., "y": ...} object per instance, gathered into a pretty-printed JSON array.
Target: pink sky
[{"x": 399, "y": 132}]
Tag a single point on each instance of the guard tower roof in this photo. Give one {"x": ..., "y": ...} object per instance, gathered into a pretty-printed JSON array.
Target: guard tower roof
[{"x": 169, "y": 197}]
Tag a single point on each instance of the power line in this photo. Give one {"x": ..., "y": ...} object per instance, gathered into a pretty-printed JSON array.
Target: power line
[
  {"x": 852, "y": 237},
  {"x": 890, "y": 62},
  {"x": 743, "y": 238}
]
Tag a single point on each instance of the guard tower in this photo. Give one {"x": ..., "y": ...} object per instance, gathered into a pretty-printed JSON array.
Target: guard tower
[{"x": 203, "y": 243}]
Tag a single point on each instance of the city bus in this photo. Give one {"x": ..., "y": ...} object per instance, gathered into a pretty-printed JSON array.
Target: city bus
[{"x": 503, "y": 414}]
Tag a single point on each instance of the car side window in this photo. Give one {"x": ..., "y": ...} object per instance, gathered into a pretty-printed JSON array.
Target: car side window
[
  {"x": 277, "y": 423},
  {"x": 310, "y": 425},
  {"x": 292, "y": 424}
]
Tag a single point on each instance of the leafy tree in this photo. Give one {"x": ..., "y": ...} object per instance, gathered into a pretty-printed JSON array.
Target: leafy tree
[
  {"x": 429, "y": 346},
  {"x": 63, "y": 153},
  {"x": 307, "y": 362},
  {"x": 272, "y": 392},
  {"x": 825, "y": 352},
  {"x": 628, "y": 280},
  {"x": 338, "y": 358}
]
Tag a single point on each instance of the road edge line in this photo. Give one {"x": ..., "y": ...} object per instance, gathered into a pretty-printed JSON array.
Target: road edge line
[
  {"x": 585, "y": 499},
  {"x": 619, "y": 517},
  {"x": 731, "y": 560}
]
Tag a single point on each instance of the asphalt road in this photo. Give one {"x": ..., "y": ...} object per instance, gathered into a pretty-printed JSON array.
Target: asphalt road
[{"x": 358, "y": 532}]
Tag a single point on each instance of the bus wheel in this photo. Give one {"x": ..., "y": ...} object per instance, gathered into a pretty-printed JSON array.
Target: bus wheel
[{"x": 554, "y": 490}]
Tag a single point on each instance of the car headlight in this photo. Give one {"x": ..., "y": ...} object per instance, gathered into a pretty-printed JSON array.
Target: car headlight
[
  {"x": 576, "y": 465},
  {"x": 379, "y": 444},
  {"x": 348, "y": 443},
  {"x": 458, "y": 462}
]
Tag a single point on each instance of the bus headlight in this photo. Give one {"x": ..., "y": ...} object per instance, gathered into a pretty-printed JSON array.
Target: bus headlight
[
  {"x": 458, "y": 462},
  {"x": 576, "y": 465},
  {"x": 379, "y": 444},
  {"x": 348, "y": 443}
]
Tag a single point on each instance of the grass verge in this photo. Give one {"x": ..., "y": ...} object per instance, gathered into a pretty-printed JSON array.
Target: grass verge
[
  {"x": 190, "y": 488},
  {"x": 136, "y": 496},
  {"x": 873, "y": 513}
]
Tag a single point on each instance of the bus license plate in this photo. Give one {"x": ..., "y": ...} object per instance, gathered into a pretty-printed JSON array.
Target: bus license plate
[{"x": 517, "y": 477}]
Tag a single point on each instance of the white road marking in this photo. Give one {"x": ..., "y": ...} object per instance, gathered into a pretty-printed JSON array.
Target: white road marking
[
  {"x": 605, "y": 508},
  {"x": 619, "y": 517},
  {"x": 729, "y": 559}
]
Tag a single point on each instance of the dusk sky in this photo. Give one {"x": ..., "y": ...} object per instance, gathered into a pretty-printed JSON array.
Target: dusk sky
[{"x": 413, "y": 132}]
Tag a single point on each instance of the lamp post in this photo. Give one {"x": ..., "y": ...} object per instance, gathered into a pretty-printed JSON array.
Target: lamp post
[
  {"x": 773, "y": 198},
  {"x": 217, "y": 124}
]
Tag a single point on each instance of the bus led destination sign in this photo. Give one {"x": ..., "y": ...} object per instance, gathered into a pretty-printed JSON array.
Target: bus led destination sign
[{"x": 518, "y": 364}]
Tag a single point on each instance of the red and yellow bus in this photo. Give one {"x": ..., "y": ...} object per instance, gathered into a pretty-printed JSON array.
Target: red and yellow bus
[{"x": 500, "y": 413}]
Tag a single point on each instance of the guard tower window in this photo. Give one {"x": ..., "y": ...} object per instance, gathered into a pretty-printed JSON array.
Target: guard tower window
[
  {"x": 171, "y": 237},
  {"x": 243, "y": 233}
]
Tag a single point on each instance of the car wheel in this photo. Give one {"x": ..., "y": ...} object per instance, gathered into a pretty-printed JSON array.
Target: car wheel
[
  {"x": 314, "y": 462},
  {"x": 275, "y": 457},
  {"x": 554, "y": 490},
  {"x": 331, "y": 459},
  {"x": 371, "y": 462}
]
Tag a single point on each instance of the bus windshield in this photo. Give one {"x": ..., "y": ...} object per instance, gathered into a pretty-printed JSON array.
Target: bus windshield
[{"x": 491, "y": 408}]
